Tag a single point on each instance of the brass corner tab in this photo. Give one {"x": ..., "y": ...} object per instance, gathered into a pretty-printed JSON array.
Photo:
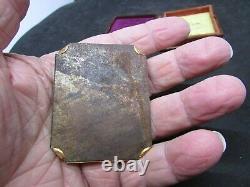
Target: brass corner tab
[
  {"x": 137, "y": 51},
  {"x": 63, "y": 50},
  {"x": 144, "y": 151},
  {"x": 58, "y": 153}
]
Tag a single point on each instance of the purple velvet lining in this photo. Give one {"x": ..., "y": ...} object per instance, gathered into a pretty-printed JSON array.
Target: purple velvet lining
[{"x": 122, "y": 22}]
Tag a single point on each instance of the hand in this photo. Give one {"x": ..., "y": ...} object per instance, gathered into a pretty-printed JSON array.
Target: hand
[{"x": 25, "y": 107}]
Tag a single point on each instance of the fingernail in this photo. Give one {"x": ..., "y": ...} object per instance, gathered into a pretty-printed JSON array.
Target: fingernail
[
  {"x": 222, "y": 139},
  {"x": 231, "y": 51},
  {"x": 187, "y": 25}
]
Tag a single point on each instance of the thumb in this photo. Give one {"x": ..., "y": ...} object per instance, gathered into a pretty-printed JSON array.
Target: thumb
[{"x": 11, "y": 14}]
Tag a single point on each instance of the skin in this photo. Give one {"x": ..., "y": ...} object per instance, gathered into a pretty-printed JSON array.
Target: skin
[{"x": 25, "y": 107}]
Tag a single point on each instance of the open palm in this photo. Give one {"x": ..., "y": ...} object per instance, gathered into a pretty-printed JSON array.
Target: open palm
[{"x": 25, "y": 107}]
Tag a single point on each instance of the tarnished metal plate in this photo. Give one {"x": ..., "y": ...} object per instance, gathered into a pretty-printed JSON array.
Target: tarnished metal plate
[{"x": 101, "y": 103}]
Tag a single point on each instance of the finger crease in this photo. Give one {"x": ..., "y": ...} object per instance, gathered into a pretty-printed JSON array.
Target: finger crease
[
  {"x": 178, "y": 67},
  {"x": 152, "y": 35},
  {"x": 171, "y": 168},
  {"x": 46, "y": 170},
  {"x": 187, "y": 114},
  {"x": 84, "y": 178}
]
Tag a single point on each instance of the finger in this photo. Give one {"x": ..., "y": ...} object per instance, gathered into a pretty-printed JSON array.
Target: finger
[
  {"x": 179, "y": 159},
  {"x": 149, "y": 37},
  {"x": 12, "y": 12},
  {"x": 197, "y": 104},
  {"x": 195, "y": 58}
]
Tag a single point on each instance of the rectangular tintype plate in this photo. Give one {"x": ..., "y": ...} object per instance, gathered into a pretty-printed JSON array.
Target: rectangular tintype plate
[
  {"x": 202, "y": 21},
  {"x": 101, "y": 103}
]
